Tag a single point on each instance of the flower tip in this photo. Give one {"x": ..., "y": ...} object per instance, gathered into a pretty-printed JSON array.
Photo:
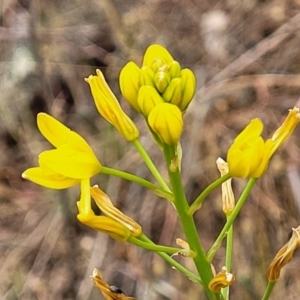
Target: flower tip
[
  {"x": 295, "y": 111},
  {"x": 99, "y": 73}
]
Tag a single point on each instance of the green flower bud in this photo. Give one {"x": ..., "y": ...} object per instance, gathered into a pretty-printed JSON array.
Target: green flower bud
[
  {"x": 129, "y": 83},
  {"x": 146, "y": 76},
  {"x": 173, "y": 93},
  {"x": 161, "y": 80},
  {"x": 148, "y": 97},
  {"x": 174, "y": 69},
  {"x": 166, "y": 121},
  {"x": 188, "y": 88}
]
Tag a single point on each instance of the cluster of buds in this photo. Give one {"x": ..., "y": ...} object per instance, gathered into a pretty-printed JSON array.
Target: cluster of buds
[{"x": 160, "y": 90}]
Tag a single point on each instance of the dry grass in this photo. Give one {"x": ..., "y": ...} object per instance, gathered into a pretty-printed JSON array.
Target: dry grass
[{"x": 246, "y": 58}]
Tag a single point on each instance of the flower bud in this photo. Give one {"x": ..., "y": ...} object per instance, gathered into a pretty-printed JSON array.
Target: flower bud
[
  {"x": 157, "y": 65},
  {"x": 174, "y": 69},
  {"x": 166, "y": 121},
  {"x": 129, "y": 83},
  {"x": 173, "y": 93},
  {"x": 188, "y": 88},
  {"x": 161, "y": 80},
  {"x": 148, "y": 97},
  {"x": 146, "y": 76},
  {"x": 109, "y": 107},
  {"x": 157, "y": 52}
]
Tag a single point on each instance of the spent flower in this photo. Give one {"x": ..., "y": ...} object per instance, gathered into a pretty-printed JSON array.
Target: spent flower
[
  {"x": 228, "y": 201},
  {"x": 221, "y": 280},
  {"x": 109, "y": 292},
  {"x": 284, "y": 255}
]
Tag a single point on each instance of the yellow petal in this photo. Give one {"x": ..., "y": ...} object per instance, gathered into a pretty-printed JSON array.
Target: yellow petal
[
  {"x": 286, "y": 129},
  {"x": 148, "y": 98},
  {"x": 166, "y": 121},
  {"x": 154, "y": 52},
  {"x": 253, "y": 129},
  {"x": 58, "y": 134},
  {"x": 52, "y": 181},
  {"x": 109, "y": 107},
  {"x": 188, "y": 88},
  {"x": 84, "y": 204},
  {"x": 106, "y": 225},
  {"x": 70, "y": 163},
  {"x": 106, "y": 206},
  {"x": 129, "y": 83}
]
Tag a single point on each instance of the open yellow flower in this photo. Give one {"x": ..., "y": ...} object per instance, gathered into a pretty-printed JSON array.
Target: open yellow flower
[
  {"x": 249, "y": 155},
  {"x": 109, "y": 107},
  {"x": 71, "y": 161}
]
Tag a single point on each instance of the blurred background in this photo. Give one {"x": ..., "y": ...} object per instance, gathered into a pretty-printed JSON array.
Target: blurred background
[{"x": 245, "y": 54}]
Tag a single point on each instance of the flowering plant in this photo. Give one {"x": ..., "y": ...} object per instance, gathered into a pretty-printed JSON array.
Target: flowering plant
[{"x": 161, "y": 91}]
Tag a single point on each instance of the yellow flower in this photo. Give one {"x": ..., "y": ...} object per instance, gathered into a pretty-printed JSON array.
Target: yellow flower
[
  {"x": 148, "y": 98},
  {"x": 65, "y": 166},
  {"x": 109, "y": 107},
  {"x": 129, "y": 84},
  {"x": 166, "y": 121},
  {"x": 106, "y": 206},
  {"x": 104, "y": 224},
  {"x": 249, "y": 155},
  {"x": 114, "y": 223},
  {"x": 161, "y": 72}
]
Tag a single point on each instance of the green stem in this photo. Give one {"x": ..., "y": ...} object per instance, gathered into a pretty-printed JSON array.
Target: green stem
[
  {"x": 173, "y": 262},
  {"x": 198, "y": 202},
  {"x": 188, "y": 225},
  {"x": 138, "y": 180},
  {"x": 228, "y": 259},
  {"x": 269, "y": 290},
  {"x": 150, "y": 165},
  {"x": 153, "y": 247},
  {"x": 215, "y": 247}
]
